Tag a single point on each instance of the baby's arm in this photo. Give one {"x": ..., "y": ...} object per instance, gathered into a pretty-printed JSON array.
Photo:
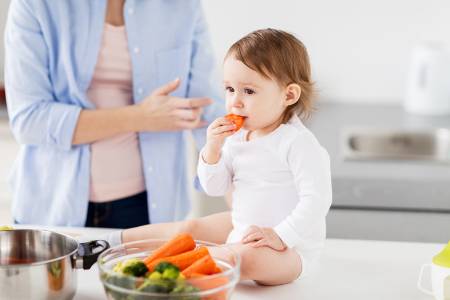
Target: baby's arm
[
  {"x": 214, "y": 171},
  {"x": 304, "y": 228},
  {"x": 310, "y": 166}
]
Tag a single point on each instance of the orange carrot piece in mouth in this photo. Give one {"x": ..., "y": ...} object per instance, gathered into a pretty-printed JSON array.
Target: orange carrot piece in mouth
[{"x": 236, "y": 119}]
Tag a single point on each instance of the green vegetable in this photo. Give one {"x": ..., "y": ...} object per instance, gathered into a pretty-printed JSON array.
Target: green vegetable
[
  {"x": 134, "y": 267},
  {"x": 154, "y": 276},
  {"x": 163, "y": 266},
  {"x": 171, "y": 274},
  {"x": 165, "y": 279},
  {"x": 183, "y": 287},
  {"x": 157, "y": 286},
  {"x": 167, "y": 270}
]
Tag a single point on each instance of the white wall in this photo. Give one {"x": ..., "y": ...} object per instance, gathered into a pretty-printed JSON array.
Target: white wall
[{"x": 359, "y": 49}]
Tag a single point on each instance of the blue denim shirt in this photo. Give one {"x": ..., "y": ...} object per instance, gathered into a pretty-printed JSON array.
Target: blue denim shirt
[{"x": 51, "y": 52}]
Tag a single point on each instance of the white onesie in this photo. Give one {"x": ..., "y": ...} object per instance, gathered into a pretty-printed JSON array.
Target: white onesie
[{"x": 281, "y": 180}]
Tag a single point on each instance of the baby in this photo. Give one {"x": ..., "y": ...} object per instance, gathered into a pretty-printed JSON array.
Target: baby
[{"x": 278, "y": 172}]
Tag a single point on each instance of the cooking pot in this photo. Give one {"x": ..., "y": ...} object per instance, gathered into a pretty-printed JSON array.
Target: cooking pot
[{"x": 41, "y": 264}]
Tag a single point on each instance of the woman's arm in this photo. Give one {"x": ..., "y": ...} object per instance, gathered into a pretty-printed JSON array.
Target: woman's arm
[
  {"x": 157, "y": 112},
  {"x": 99, "y": 124},
  {"x": 37, "y": 118}
]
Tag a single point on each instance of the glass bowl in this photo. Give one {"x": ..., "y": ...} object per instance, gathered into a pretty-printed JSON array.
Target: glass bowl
[{"x": 212, "y": 287}]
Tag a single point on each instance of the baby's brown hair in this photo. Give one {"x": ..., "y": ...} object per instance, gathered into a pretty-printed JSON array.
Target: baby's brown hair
[{"x": 278, "y": 55}]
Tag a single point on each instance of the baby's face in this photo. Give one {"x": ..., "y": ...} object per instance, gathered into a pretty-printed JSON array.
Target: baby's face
[{"x": 249, "y": 94}]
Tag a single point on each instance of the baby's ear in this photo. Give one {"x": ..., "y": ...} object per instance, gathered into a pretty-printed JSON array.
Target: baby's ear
[{"x": 293, "y": 92}]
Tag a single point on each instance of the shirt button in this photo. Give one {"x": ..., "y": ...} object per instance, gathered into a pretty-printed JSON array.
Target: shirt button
[
  {"x": 140, "y": 91},
  {"x": 130, "y": 11},
  {"x": 154, "y": 205},
  {"x": 136, "y": 50}
]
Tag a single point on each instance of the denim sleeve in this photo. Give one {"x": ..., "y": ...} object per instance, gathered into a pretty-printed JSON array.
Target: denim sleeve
[
  {"x": 204, "y": 80},
  {"x": 36, "y": 117}
]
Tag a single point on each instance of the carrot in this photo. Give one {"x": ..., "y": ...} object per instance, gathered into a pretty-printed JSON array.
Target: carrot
[
  {"x": 197, "y": 275},
  {"x": 209, "y": 284},
  {"x": 181, "y": 243},
  {"x": 236, "y": 119},
  {"x": 205, "y": 265},
  {"x": 183, "y": 260}
]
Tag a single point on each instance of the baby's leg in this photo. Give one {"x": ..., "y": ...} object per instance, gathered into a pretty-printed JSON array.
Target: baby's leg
[
  {"x": 267, "y": 266},
  {"x": 213, "y": 228}
]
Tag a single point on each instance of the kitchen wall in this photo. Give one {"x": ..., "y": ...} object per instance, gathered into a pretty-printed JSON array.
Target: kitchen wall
[{"x": 359, "y": 49}]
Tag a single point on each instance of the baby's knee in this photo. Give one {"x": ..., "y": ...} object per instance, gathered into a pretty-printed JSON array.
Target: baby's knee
[{"x": 246, "y": 252}]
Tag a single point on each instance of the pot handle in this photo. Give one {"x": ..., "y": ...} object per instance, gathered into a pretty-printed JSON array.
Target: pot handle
[{"x": 88, "y": 253}]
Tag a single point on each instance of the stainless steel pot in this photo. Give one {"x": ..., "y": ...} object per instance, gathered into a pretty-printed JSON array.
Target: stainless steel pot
[{"x": 41, "y": 264}]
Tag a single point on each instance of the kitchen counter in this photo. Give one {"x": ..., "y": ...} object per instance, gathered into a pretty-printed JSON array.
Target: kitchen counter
[{"x": 350, "y": 269}]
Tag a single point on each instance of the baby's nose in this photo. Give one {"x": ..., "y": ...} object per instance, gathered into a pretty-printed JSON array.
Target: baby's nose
[{"x": 236, "y": 102}]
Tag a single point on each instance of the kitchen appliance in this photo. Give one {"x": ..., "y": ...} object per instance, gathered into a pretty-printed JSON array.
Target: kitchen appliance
[
  {"x": 440, "y": 273},
  {"x": 41, "y": 264},
  {"x": 428, "y": 83},
  {"x": 217, "y": 286}
]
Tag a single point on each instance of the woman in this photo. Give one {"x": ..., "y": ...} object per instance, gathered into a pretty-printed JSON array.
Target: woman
[{"x": 100, "y": 94}]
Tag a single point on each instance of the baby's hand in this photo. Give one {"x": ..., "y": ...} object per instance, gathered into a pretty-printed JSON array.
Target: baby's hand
[
  {"x": 263, "y": 236},
  {"x": 216, "y": 134}
]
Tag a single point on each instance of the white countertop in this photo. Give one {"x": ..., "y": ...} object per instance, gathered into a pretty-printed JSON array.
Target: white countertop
[{"x": 350, "y": 269}]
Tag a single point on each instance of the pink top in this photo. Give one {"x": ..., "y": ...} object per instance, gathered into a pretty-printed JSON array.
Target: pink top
[{"x": 116, "y": 166}]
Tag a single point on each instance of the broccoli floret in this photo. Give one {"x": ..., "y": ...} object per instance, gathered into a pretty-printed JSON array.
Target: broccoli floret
[
  {"x": 170, "y": 274},
  {"x": 183, "y": 287},
  {"x": 168, "y": 270},
  {"x": 138, "y": 269},
  {"x": 133, "y": 267},
  {"x": 157, "y": 286},
  {"x": 154, "y": 275},
  {"x": 164, "y": 265}
]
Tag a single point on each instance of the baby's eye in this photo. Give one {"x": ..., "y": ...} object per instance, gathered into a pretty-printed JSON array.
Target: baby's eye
[
  {"x": 229, "y": 89},
  {"x": 249, "y": 91}
]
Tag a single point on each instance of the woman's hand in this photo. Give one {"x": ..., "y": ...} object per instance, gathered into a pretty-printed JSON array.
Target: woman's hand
[
  {"x": 162, "y": 112},
  {"x": 216, "y": 134},
  {"x": 263, "y": 236}
]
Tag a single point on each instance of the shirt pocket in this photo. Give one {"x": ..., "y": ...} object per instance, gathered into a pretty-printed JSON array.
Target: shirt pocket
[{"x": 174, "y": 63}]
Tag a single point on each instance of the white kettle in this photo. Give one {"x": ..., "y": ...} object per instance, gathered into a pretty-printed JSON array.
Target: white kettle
[{"x": 428, "y": 83}]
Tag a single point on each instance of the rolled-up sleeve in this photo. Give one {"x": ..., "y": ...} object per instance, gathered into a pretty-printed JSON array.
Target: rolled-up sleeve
[{"x": 36, "y": 117}]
